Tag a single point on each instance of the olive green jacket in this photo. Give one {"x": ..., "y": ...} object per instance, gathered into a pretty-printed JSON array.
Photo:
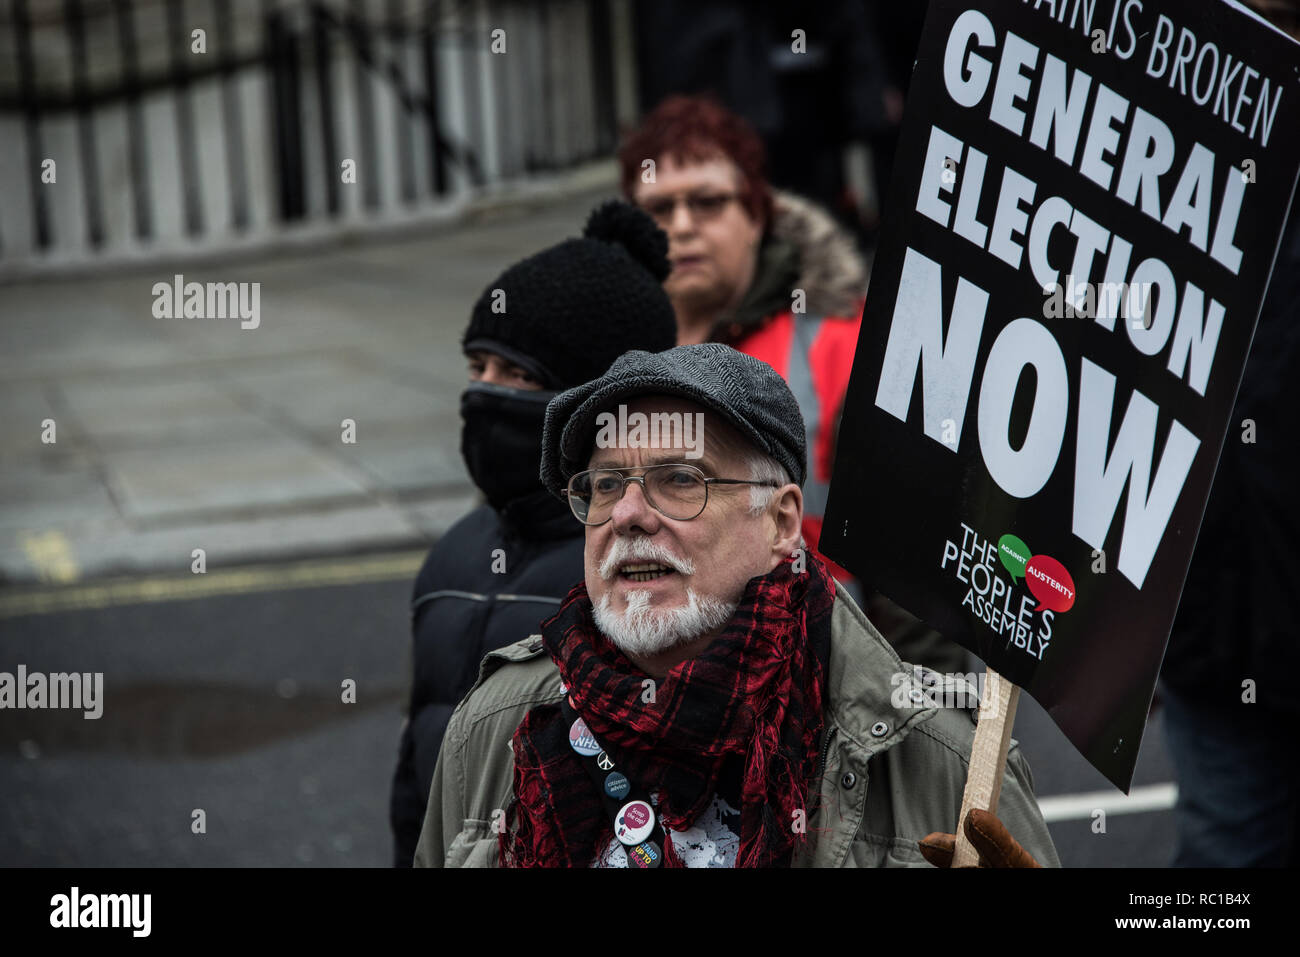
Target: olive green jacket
[{"x": 890, "y": 774}]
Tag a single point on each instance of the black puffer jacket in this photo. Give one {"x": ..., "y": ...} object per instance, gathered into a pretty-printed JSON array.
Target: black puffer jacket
[{"x": 462, "y": 609}]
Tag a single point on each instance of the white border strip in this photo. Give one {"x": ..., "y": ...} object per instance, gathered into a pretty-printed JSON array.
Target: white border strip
[{"x": 1072, "y": 807}]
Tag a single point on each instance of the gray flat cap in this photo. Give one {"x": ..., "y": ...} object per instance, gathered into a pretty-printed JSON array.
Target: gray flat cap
[{"x": 745, "y": 391}]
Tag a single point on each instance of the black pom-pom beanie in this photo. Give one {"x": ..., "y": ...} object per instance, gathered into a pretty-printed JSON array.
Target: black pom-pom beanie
[{"x": 567, "y": 312}]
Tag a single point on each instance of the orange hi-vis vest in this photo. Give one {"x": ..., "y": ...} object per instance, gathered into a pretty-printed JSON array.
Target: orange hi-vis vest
[{"x": 815, "y": 357}]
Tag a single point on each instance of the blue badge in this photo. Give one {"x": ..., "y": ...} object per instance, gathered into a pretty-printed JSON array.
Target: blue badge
[{"x": 617, "y": 786}]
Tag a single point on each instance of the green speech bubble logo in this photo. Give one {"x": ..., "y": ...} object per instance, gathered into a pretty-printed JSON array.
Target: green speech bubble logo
[{"x": 1015, "y": 555}]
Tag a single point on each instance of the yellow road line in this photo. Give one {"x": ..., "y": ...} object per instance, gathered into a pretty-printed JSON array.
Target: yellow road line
[
  {"x": 317, "y": 573},
  {"x": 51, "y": 555}
]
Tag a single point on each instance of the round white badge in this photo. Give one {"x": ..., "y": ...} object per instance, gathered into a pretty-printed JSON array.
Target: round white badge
[{"x": 635, "y": 821}]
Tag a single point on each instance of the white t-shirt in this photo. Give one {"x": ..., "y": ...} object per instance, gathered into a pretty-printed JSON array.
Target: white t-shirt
[{"x": 712, "y": 841}]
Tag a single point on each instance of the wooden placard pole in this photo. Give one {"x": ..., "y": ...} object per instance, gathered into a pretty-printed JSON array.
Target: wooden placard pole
[{"x": 988, "y": 758}]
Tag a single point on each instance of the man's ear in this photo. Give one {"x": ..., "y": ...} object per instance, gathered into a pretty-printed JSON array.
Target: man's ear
[{"x": 787, "y": 514}]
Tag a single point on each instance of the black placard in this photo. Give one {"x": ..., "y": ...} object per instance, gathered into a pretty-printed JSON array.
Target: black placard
[{"x": 1070, "y": 146}]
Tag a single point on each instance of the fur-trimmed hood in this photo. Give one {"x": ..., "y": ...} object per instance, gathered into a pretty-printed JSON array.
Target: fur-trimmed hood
[
  {"x": 831, "y": 270},
  {"x": 804, "y": 248}
]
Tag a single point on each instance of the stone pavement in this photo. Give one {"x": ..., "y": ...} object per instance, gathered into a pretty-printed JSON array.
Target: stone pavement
[{"x": 177, "y": 434}]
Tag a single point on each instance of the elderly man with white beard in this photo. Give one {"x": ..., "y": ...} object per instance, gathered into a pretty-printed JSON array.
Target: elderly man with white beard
[{"x": 708, "y": 696}]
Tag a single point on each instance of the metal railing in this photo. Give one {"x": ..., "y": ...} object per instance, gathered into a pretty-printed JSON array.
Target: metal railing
[{"x": 130, "y": 127}]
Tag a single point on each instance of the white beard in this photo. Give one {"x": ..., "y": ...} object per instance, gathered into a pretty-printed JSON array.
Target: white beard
[{"x": 645, "y": 631}]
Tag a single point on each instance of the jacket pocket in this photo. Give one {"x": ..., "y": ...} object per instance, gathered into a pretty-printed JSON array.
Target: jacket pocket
[
  {"x": 474, "y": 846},
  {"x": 869, "y": 851}
]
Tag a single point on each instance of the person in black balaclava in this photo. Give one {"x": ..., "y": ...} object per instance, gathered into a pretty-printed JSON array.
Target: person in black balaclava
[{"x": 550, "y": 322}]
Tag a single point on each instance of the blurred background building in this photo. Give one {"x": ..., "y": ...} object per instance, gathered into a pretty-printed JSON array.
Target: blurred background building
[{"x": 184, "y": 126}]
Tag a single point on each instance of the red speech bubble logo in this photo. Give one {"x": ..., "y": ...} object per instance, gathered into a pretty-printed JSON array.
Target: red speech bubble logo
[{"x": 1050, "y": 583}]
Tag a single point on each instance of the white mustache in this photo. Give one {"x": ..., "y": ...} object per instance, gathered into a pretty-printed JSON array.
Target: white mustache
[{"x": 642, "y": 549}]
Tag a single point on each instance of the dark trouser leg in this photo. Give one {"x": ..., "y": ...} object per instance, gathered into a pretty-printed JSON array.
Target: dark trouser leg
[{"x": 1238, "y": 803}]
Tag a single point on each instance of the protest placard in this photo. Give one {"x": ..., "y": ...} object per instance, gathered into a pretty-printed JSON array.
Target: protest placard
[{"x": 1086, "y": 206}]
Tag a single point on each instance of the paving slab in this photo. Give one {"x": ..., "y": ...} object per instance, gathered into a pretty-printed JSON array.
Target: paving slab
[
  {"x": 318, "y": 398},
  {"x": 410, "y": 456},
  {"x": 25, "y": 407},
  {"x": 125, "y": 412},
  {"x": 231, "y": 475}
]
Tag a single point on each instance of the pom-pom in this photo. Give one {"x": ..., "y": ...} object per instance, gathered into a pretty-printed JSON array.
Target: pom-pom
[{"x": 631, "y": 228}]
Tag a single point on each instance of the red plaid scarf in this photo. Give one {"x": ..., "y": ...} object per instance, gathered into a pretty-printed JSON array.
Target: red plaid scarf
[{"x": 756, "y": 692}]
